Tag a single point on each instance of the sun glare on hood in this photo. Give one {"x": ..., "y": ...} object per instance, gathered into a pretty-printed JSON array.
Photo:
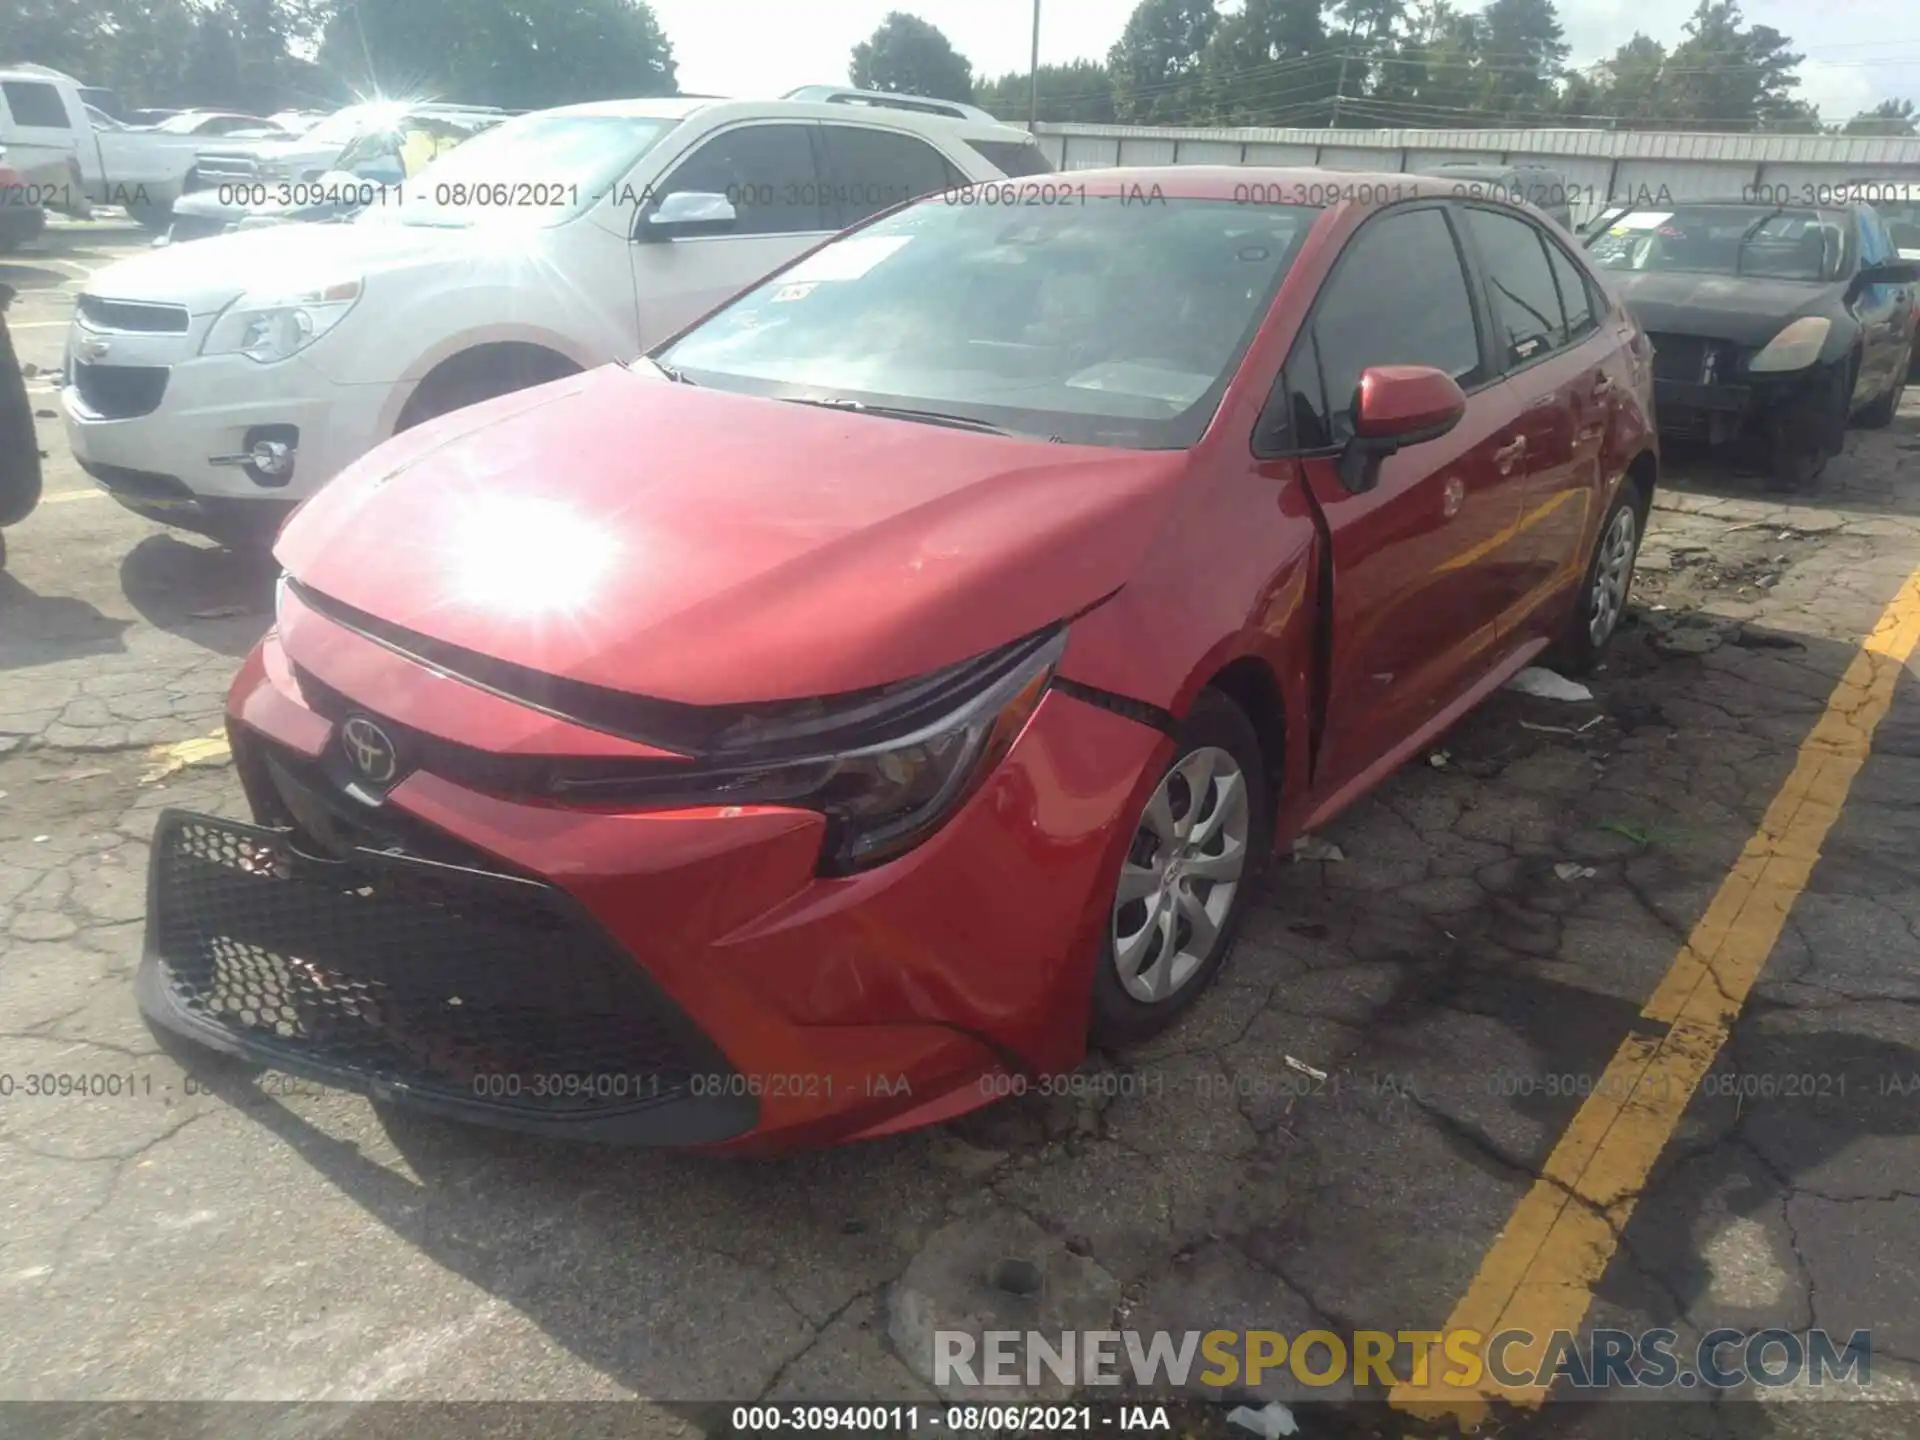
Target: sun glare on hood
[{"x": 528, "y": 557}]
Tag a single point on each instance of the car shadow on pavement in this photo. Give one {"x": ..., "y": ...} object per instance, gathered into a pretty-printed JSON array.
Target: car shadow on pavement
[
  {"x": 25, "y": 276},
  {"x": 40, "y": 629},
  {"x": 217, "y": 598}
]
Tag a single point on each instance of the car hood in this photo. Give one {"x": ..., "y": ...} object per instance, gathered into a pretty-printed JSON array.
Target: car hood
[
  {"x": 710, "y": 548},
  {"x": 1745, "y": 311},
  {"x": 212, "y": 273}
]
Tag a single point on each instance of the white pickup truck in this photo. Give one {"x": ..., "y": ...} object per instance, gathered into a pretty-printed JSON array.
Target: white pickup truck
[{"x": 68, "y": 162}]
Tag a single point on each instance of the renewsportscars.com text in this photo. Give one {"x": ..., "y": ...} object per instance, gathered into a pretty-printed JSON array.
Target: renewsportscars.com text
[{"x": 1456, "y": 1359}]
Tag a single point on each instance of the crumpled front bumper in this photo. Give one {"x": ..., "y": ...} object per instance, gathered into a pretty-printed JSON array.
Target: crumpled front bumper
[{"x": 668, "y": 977}]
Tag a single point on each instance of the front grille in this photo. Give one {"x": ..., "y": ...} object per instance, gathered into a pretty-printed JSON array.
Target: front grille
[
  {"x": 196, "y": 227},
  {"x": 443, "y": 982},
  {"x": 137, "y": 316},
  {"x": 119, "y": 392},
  {"x": 211, "y": 170},
  {"x": 1693, "y": 359}
]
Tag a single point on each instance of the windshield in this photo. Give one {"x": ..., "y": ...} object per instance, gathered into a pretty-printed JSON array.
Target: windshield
[
  {"x": 1759, "y": 241},
  {"x": 346, "y": 125},
  {"x": 535, "y": 171},
  {"x": 1011, "y": 318}
]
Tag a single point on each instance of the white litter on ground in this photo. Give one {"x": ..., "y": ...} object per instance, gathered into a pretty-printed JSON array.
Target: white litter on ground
[
  {"x": 1567, "y": 870},
  {"x": 1548, "y": 685},
  {"x": 1312, "y": 847},
  {"x": 1271, "y": 1420}
]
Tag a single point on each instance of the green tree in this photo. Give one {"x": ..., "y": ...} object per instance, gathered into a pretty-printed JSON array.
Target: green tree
[
  {"x": 1433, "y": 74},
  {"x": 1727, "y": 75},
  {"x": 1889, "y": 117},
  {"x": 1156, "y": 62},
  {"x": 1268, "y": 63},
  {"x": 1525, "y": 51},
  {"x": 907, "y": 56},
  {"x": 522, "y": 54},
  {"x": 1080, "y": 92}
]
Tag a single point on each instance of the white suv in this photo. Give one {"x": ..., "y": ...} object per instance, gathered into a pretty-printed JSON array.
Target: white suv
[{"x": 214, "y": 385}]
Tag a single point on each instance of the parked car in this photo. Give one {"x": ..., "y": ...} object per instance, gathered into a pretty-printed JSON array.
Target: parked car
[
  {"x": 221, "y": 122},
  {"x": 216, "y": 384},
  {"x": 827, "y": 723},
  {"x": 1541, "y": 186},
  {"x": 308, "y": 154},
  {"x": 380, "y": 158},
  {"x": 298, "y": 122},
  {"x": 74, "y": 161},
  {"x": 23, "y": 214},
  {"x": 1897, "y": 202},
  {"x": 1775, "y": 325}
]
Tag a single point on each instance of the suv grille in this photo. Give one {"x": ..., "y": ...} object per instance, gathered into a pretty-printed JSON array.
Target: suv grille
[
  {"x": 133, "y": 315},
  {"x": 446, "y": 982},
  {"x": 119, "y": 392}
]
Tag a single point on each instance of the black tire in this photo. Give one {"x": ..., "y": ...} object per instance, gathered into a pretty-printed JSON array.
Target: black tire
[
  {"x": 20, "y": 226},
  {"x": 470, "y": 379},
  {"x": 1583, "y": 642},
  {"x": 1214, "y": 724},
  {"x": 1810, "y": 434},
  {"x": 1880, "y": 413},
  {"x": 152, "y": 218},
  {"x": 19, "y": 445}
]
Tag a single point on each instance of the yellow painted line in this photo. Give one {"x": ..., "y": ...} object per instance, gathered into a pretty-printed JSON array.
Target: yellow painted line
[
  {"x": 1539, "y": 1275},
  {"x": 37, "y": 324},
  {"x": 185, "y": 755},
  {"x": 63, "y": 496}
]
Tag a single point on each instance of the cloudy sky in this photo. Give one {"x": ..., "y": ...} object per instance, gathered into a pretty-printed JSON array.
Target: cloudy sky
[{"x": 1858, "y": 51}]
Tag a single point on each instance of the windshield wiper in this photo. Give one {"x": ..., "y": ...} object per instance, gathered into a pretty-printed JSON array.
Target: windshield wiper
[
  {"x": 672, "y": 372},
  {"x": 899, "y": 412}
]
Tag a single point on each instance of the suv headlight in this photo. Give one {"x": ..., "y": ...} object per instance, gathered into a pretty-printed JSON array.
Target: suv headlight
[
  {"x": 269, "y": 326},
  {"x": 880, "y": 799},
  {"x": 1795, "y": 347}
]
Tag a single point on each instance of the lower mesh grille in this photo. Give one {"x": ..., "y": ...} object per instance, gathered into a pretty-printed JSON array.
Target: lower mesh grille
[{"x": 449, "y": 982}]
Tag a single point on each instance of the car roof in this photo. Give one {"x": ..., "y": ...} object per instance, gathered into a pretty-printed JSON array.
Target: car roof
[{"x": 680, "y": 107}]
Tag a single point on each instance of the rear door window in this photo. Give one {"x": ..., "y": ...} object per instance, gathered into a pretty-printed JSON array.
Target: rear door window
[
  {"x": 870, "y": 170},
  {"x": 35, "y": 103},
  {"x": 1527, "y": 316},
  {"x": 1399, "y": 297}
]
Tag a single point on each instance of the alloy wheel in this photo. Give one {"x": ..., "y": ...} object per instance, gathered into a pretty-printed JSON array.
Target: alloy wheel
[
  {"x": 1612, "y": 574},
  {"x": 1181, "y": 874}
]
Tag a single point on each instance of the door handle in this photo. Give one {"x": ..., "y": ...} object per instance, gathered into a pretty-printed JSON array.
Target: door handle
[{"x": 1508, "y": 455}]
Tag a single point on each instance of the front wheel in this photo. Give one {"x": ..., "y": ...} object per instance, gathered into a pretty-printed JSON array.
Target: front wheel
[
  {"x": 1880, "y": 413},
  {"x": 1183, "y": 887},
  {"x": 1609, "y": 580}
]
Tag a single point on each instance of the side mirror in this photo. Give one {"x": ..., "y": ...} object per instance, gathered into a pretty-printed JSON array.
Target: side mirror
[
  {"x": 1893, "y": 272},
  {"x": 1395, "y": 406},
  {"x": 689, "y": 212}
]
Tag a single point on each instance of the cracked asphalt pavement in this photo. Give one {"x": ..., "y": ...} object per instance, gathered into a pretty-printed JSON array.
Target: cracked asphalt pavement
[{"x": 1495, "y": 922}]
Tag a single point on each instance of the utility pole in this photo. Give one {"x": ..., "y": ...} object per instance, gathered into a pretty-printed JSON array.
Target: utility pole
[
  {"x": 1033, "y": 73},
  {"x": 1339, "y": 85}
]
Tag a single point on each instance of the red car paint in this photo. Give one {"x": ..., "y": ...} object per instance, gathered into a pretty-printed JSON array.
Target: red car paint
[{"x": 750, "y": 550}]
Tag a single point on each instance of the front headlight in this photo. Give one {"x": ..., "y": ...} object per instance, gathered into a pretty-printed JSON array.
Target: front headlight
[
  {"x": 880, "y": 800},
  {"x": 1795, "y": 347},
  {"x": 267, "y": 326}
]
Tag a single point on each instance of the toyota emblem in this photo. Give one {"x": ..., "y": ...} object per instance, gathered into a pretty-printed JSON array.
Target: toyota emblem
[{"x": 368, "y": 747}]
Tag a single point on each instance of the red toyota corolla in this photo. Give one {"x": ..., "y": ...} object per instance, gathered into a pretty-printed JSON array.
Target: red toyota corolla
[{"x": 817, "y": 729}]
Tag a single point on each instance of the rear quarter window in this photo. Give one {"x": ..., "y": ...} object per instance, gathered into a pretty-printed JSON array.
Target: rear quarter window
[{"x": 1013, "y": 157}]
